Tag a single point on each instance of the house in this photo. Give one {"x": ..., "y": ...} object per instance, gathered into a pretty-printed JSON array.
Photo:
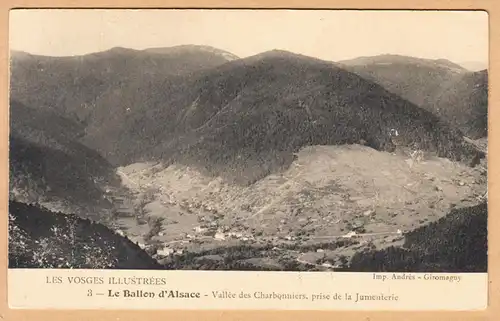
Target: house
[
  {"x": 166, "y": 251},
  {"x": 220, "y": 236},
  {"x": 199, "y": 229},
  {"x": 349, "y": 235}
]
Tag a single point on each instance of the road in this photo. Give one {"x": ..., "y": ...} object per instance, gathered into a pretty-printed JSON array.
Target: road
[{"x": 329, "y": 237}]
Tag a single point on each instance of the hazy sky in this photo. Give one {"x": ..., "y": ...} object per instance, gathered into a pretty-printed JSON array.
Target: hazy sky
[{"x": 326, "y": 34}]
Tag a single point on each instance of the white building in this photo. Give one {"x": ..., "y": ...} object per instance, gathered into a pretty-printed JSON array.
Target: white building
[
  {"x": 199, "y": 229},
  {"x": 349, "y": 235},
  {"x": 220, "y": 236},
  {"x": 166, "y": 251}
]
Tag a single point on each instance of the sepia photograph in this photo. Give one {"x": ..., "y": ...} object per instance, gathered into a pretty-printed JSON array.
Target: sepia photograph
[{"x": 249, "y": 140}]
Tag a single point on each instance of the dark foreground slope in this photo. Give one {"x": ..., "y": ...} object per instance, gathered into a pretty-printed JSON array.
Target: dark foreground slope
[
  {"x": 455, "y": 243},
  {"x": 47, "y": 163},
  {"x": 446, "y": 89},
  {"x": 43, "y": 239}
]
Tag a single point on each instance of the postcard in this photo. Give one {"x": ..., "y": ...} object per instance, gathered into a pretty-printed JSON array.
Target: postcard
[{"x": 235, "y": 159}]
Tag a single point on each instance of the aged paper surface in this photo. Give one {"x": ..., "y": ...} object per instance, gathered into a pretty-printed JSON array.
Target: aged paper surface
[
  {"x": 248, "y": 160},
  {"x": 231, "y": 290}
]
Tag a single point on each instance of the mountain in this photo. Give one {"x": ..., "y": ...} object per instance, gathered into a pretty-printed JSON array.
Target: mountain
[
  {"x": 72, "y": 85},
  {"x": 42, "y": 239},
  {"x": 388, "y": 59},
  {"x": 417, "y": 80},
  {"x": 48, "y": 164},
  {"x": 427, "y": 83},
  {"x": 457, "y": 242},
  {"x": 206, "y": 52},
  {"x": 242, "y": 119},
  {"x": 474, "y": 65}
]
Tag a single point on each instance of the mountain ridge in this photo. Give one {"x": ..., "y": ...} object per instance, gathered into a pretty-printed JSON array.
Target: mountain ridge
[
  {"x": 73, "y": 84},
  {"x": 426, "y": 83},
  {"x": 395, "y": 58},
  {"x": 254, "y": 111}
]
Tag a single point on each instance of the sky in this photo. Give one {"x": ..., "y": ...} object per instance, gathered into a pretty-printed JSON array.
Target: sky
[{"x": 459, "y": 36}]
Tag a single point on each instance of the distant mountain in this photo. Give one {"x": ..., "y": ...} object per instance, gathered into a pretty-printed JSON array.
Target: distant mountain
[
  {"x": 457, "y": 242},
  {"x": 48, "y": 164},
  {"x": 428, "y": 83},
  {"x": 72, "y": 85},
  {"x": 474, "y": 65},
  {"x": 388, "y": 59},
  {"x": 194, "y": 50},
  {"x": 42, "y": 239},
  {"x": 417, "y": 80}
]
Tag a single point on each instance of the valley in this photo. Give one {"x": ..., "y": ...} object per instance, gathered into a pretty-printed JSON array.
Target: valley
[{"x": 328, "y": 195}]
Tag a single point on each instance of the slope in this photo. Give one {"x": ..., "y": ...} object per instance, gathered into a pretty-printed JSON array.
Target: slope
[
  {"x": 465, "y": 103},
  {"x": 47, "y": 164},
  {"x": 71, "y": 85},
  {"x": 415, "y": 79},
  {"x": 455, "y": 243},
  {"x": 428, "y": 84},
  {"x": 248, "y": 117}
]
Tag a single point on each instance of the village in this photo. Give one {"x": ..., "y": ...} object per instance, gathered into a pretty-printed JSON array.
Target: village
[{"x": 301, "y": 215}]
